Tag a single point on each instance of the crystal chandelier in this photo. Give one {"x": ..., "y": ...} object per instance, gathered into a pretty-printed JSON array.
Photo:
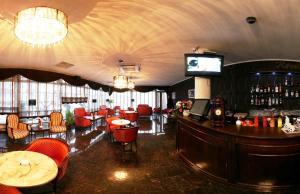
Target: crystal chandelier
[
  {"x": 120, "y": 81},
  {"x": 41, "y": 25},
  {"x": 131, "y": 85}
]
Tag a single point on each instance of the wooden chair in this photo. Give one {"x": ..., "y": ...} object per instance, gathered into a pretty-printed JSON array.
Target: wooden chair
[
  {"x": 15, "y": 129},
  {"x": 57, "y": 124}
]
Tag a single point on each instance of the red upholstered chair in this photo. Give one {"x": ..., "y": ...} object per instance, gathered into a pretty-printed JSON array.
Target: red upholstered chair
[
  {"x": 102, "y": 112},
  {"x": 117, "y": 108},
  {"x": 156, "y": 110},
  {"x": 126, "y": 136},
  {"x": 122, "y": 113},
  {"x": 110, "y": 112},
  {"x": 56, "y": 149},
  {"x": 132, "y": 117},
  {"x": 111, "y": 128},
  {"x": 103, "y": 107},
  {"x": 8, "y": 190},
  {"x": 144, "y": 110},
  {"x": 80, "y": 121},
  {"x": 130, "y": 108}
]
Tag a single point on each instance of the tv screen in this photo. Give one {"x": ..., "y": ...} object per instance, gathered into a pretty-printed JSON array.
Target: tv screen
[
  {"x": 200, "y": 107},
  {"x": 32, "y": 102},
  {"x": 203, "y": 64}
]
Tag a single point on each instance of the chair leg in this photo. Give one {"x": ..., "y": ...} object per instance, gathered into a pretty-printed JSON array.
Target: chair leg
[
  {"x": 123, "y": 151},
  {"x": 54, "y": 187}
]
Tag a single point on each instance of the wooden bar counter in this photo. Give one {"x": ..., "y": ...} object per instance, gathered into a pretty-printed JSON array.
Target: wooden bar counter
[{"x": 260, "y": 158}]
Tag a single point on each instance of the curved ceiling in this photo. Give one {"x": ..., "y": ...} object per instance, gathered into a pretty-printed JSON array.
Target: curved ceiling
[{"x": 155, "y": 34}]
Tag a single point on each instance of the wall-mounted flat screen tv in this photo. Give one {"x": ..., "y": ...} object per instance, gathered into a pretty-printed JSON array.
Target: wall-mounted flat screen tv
[
  {"x": 32, "y": 102},
  {"x": 203, "y": 64}
]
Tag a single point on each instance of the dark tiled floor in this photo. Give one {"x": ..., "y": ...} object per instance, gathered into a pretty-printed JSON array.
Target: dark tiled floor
[{"x": 95, "y": 161}]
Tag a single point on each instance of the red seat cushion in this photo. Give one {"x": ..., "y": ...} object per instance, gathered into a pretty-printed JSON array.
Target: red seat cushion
[{"x": 8, "y": 190}]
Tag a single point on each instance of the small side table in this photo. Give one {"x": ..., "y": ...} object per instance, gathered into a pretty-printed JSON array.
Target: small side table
[{"x": 38, "y": 129}]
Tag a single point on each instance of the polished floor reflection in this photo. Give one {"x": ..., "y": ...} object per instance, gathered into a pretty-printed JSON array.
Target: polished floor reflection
[{"x": 96, "y": 164}]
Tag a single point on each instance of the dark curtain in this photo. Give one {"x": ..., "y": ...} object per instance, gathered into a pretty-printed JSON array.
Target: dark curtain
[{"x": 46, "y": 76}]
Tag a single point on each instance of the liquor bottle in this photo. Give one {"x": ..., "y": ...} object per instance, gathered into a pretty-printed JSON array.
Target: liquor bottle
[
  {"x": 286, "y": 92},
  {"x": 273, "y": 99},
  {"x": 269, "y": 88},
  {"x": 276, "y": 89},
  {"x": 280, "y": 99},
  {"x": 280, "y": 88},
  {"x": 264, "y": 119},
  {"x": 257, "y": 88},
  {"x": 297, "y": 94},
  {"x": 272, "y": 122},
  {"x": 292, "y": 93},
  {"x": 270, "y": 101},
  {"x": 252, "y": 100},
  {"x": 276, "y": 100},
  {"x": 252, "y": 89},
  {"x": 286, "y": 81},
  {"x": 256, "y": 100},
  {"x": 265, "y": 90},
  {"x": 261, "y": 89},
  {"x": 256, "y": 121},
  {"x": 291, "y": 81},
  {"x": 262, "y": 100},
  {"x": 279, "y": 122}
]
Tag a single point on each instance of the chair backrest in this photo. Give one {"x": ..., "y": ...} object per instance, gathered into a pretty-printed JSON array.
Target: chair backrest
[
  {"x": 122, "y": 113},
  {"x": 110, "y": 111},
  {"x": 79, "y": 112},
  {"x": 56, "y": 118},
  {"x": 12, "y": 121},
  {"x": 125, "y": 135},
  {"x": 56, "y": 149},
  {"x": 130, "y": 108},
  {"x": 117, "y": 108},
  {"x": 102, "y": 112},
  {"x": 132, "y": 117},
  {"x": 103, "y": 107}
]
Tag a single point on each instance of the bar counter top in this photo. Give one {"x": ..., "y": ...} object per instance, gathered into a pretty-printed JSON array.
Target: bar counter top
[{"x": 247, "y": 132}]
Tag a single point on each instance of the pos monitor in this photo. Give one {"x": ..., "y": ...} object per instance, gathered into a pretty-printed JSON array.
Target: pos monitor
[{"x": 200, "y": 109}]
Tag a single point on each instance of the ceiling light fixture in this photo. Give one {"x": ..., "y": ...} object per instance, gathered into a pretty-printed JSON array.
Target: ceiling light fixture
[
  {"x": 41, "y": 25},
  {"x": 131, "y": 85},
  {"x": 120, "y": 81}
]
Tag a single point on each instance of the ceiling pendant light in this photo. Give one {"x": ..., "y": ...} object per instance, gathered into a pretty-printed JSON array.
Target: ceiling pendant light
[
  {"x": 120, "y": 81},
  {"x": 41, "y": 25},
  {"x": 131, "y": 85}
]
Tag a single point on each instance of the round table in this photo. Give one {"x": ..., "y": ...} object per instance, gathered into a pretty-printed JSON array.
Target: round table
[
  {"x": 26, "y": 169},
  {"x": 130, "y": 111},
  {"x": 121, "y": 122}
]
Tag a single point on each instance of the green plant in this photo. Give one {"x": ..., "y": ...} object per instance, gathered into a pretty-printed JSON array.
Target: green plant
[{"x": 69, "y": 118}]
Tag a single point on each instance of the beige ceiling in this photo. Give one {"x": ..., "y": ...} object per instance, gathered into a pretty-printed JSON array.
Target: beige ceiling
[{"x": 155, "y": 34}]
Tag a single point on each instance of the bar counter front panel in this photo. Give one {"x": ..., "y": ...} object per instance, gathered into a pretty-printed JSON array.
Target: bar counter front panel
[{"x": 260, "y": 158}]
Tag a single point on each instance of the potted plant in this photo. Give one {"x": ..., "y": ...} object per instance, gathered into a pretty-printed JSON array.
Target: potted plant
[
  {"x": 109, "y": 101},
  {"x": 69, "y": 119},
  {"x": 182, "y": 108}
]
